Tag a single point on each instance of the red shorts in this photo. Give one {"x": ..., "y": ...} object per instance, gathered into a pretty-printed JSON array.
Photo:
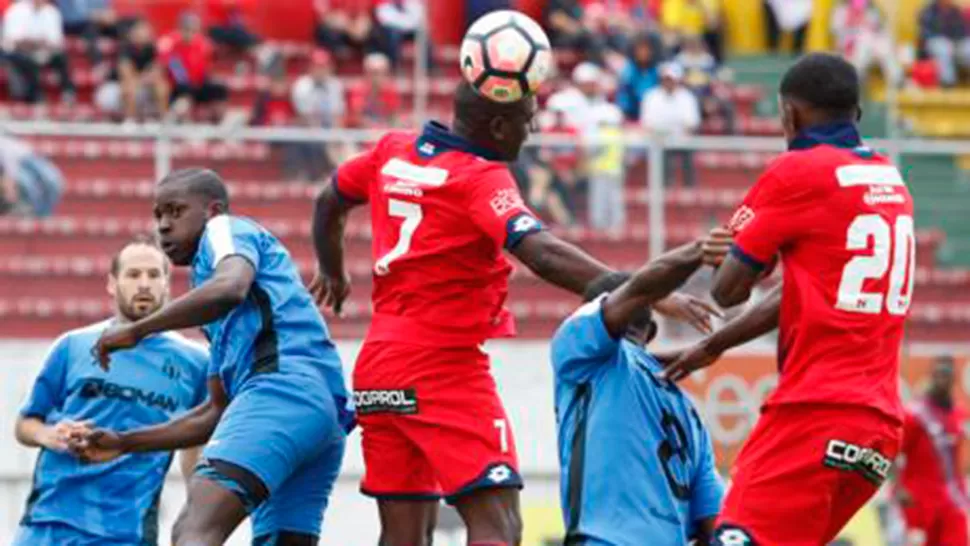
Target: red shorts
[
  {"x": 432, "y": 422},
  {"x": 930, "y": 522},
  {"x": 804, "y": 472}
]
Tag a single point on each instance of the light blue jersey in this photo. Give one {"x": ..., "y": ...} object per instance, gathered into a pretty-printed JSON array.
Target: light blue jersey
[
  {"x": 278, "y": 329},
  {"x": 289, "y": 409},
  {"x": 115, "y": 503},
  {"x": 637, "y": 466}
]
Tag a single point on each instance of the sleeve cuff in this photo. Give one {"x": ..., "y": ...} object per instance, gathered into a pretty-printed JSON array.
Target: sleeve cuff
[
  {"x": 344, "y": 198},
  {"x": 748, "y": 259}
]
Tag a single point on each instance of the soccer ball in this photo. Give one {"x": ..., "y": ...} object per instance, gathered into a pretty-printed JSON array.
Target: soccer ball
[{"x": 505, "y": 56}]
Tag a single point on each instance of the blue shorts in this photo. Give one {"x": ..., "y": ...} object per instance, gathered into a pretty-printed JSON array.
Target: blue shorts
[
  {"x": 284, "y": 430},
  {"x": 56, "y": 534}
]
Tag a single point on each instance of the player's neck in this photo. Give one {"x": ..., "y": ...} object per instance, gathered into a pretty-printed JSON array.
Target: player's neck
[{"x": 120, "y": 318}]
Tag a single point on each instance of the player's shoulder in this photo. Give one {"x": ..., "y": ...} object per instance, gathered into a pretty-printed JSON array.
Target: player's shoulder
[
  {"x": 83, "y": 334},
  {"x": 181, "y": 343}
]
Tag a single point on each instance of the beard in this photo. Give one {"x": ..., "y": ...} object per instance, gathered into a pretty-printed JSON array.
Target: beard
[{"x": 135, "y": 309}]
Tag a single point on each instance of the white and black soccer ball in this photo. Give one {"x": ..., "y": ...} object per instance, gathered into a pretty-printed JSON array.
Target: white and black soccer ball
[{"x": 505, "y": 56}]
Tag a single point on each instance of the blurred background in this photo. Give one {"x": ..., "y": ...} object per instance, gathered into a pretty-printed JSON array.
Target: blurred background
[{"x": 661, "y": 115}]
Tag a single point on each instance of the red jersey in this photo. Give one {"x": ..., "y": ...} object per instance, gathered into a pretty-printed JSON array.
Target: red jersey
[
  {"x": 841, "y": 219},
  {"x": 932, "y": 445},
  {"x": 188, "y": 62},
  {"x": 442, "y": 212}
]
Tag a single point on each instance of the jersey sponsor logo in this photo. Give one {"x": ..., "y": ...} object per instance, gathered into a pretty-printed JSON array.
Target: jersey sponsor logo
[
  {"x": 99, "y": 388},
  {"x": 729, "y": 535},
  {"x": 417, "y": 174},
  {"x": 505, "y": 200},
  {"x": 742, "y": 217},
  {"x": 870, "y": 463},
  {"x": 403, "y": 188},
  {"x": 403, "y": 401},
  {"x": 883, "y": 195},
  {"x": 868, "y": 175}
]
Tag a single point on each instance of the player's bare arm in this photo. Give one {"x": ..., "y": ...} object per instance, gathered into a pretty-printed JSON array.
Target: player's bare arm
[
  {"x": 569, "y": 267},
  {"x": 752, "y": 324},
  {"x": 705, "y": 531},
  {"x": 188, "y": 431},
  {"x": 733, "y": 281},
  {"x": 650, "y": 284},
  {"x": 226, "y": 290},
  {"x": 331, "y": 284}
]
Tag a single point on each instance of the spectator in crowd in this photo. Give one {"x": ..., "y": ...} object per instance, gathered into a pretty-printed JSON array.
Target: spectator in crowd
[
  {"x": 563, "y": 20},
  {"x": 345, "y": 25},
  {"x": 943, "y": 33},
  {"x": 229, "y": 27},
  {"x": 639, "y": 75},
  {"x": 615, "y": 20},
  {"x": 554, "y": 170},
  {"x": 398, "y": 22},
  {"x": 607, "y": 209},
  {"x": 186, "y": 54},
  {"x": 273, "y": 107},
  {"x": 29, "y": 183},
  {"x": 700, "y": 76},
  {"x": 318, "y": 99},
  {"x": 672, "y": 110},
  {"x": 375, "y": 102},
  {"x": 862, "y": 37},
  {"x": 787, "y": 16},
  {"x": 138, "y": 88},
  {"x": 682, "y": 18},
  {"x": 92, "y": 19},
  {"x": 581, "y": 101},
  {"x": 33, "y": 39}
]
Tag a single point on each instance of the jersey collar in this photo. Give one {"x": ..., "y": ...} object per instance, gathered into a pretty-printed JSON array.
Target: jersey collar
[
  {"x": 436, "y": 138},
  {"x": 841, "y": 134}
]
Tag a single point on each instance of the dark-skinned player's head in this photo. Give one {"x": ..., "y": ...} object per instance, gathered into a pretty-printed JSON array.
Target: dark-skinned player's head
[
  {"x": 942, "y": 378},
  {"x": 184, "y": 201},
  {"x": 642, "y": 327},
  {"x": 820, "y": 88},
  {"x": 497, "y": 126}
]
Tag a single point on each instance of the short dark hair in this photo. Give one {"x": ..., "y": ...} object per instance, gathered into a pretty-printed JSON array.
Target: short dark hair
[
  {"x": 204, "y": 182},
  {"x": 476, "y": 111},
  {"x": 605, "y": 283},
  {"x": 141, "y": 239},
  {"x": 824, "y": 81},
  {"x": 944, "y": 360}
]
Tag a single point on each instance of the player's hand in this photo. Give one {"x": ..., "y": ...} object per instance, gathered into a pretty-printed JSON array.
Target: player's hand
[
  {"x": 115, "y": 338},
  {"x": 687, "y": 308},
  {"x": 679, "y": 365},
  {"x": 58, "y": 437},
  {"x": 97, "y": 446},
  {"x": 716, "y": 244},
  {"x": 329, "y": 291}
]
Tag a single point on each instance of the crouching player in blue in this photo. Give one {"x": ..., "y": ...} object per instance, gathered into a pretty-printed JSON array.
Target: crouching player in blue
[
  {"x": 637, "y": 466},
  {"x": 278, "y": 406},
  {"x": 116, "y": 504}
]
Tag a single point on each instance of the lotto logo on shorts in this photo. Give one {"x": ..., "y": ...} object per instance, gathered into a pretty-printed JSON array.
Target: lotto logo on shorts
[
  {"x": 728, "y": 535},
  {"x": 873, "y": 466},
  {"x": 403, "y": 401}
]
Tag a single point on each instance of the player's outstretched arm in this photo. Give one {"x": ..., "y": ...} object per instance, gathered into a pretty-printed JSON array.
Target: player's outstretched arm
[
  {"x": 34, "y": 432},
  {"x": 734, "y": 280},
  {"x": 558, "y": 262},
  {"x": 212, "y": 300},
  {"x": 331, "y": 285},
  {"x": 650, "y": 284},
  {"x": 752, "y": 324},
  {"x": 191, "y": 429}
]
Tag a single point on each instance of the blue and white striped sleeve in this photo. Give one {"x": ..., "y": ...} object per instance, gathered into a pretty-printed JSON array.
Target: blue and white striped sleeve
[
  {"x": 582, "y": 345},
  {"x": 227, "y": 236}
]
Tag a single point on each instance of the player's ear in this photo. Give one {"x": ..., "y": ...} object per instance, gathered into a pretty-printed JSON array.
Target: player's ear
[
  {"x": 112, "y": 285},
  {"x": 498, "y": 128}
]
